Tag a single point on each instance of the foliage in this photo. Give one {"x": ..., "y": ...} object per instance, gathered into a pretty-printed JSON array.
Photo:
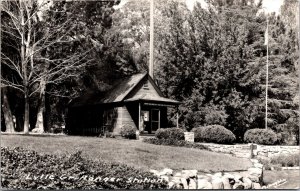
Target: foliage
[
  {"x": 17, "y": 164},
  {"x": 211, "y": 59},
  {"x": 170, "y": 133},
  {"x": 174, "y": 142},
  {"x": 260, "y": 136},
  {"x": 283, "y": 160},
  {"x": 198, "y": 133},
  {"x": 214, "y": 134},
  {"x": 214, "y": 60},
  {"x": 128, "y": 132},
  {"x": 47, "y": 47},
  {"x": 286, "y": 160},
  {"x": 282, "y": 138},
  {"x": 130, "y": 35}
]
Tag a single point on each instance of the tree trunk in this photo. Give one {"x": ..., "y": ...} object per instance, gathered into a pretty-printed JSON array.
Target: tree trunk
[
  {"x": 39, "y": 127},
  {"x": 24, "y": 52},
  {"x": 8, "y": 118},
  {"x": 26, "y": 114}
]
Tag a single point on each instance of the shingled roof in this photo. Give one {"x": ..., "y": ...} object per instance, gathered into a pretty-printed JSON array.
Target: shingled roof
[
  {"x": 118, "y": 93},
  {"x": 147, "y": 97}
]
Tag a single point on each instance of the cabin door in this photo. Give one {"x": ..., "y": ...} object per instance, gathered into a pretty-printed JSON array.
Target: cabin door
[
  {"x": 150, "y": 120},
  {"x": 155, "y": 120}
]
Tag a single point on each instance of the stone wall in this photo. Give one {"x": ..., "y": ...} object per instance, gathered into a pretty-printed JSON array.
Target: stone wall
[
  {"x": 246, "y": 150},
  {"x": 238, "y": 150},
  {"x": 270, "y": 151}
]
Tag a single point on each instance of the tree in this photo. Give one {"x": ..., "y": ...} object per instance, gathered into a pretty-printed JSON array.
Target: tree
[
  {"x": 35, "y": 37},
  {"x": 129, "y": 36},
  {"x": 214, "y": 60},
  {"x": 8, "y": 118},
  {"x": 283, "y": 108}
]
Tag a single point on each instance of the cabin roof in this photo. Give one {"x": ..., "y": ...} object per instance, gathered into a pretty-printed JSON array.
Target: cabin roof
[
  {"x": 118, "y": 93},
  {"x": 147, "y": 97}
]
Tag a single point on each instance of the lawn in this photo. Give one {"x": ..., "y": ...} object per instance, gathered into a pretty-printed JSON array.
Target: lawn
[{"x": 131, "y": 152}]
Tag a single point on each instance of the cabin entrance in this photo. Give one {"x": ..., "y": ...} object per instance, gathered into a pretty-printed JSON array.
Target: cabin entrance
[{"x": 150, "y": 120}]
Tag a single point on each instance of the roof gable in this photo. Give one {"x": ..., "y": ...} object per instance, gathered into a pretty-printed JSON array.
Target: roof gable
[
  {"x": 116, "y": 93},
  {"x": 125, "y": 89}
]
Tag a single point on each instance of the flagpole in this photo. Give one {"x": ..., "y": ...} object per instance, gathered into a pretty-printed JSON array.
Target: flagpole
[
  {"x": 267, "y": 74},
  {"x": 151, "y": 37}
]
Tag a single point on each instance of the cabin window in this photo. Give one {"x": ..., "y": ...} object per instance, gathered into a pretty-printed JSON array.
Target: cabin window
[{"x": 146, "y": 86}]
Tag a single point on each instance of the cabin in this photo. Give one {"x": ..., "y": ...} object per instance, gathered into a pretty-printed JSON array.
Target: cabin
[{"x": 135, "y": 101}]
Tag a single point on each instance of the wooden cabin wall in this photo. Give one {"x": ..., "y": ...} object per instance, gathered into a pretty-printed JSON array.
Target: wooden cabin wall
[
  {"x": 110, "y": 116},
  {"x": 124, "y": 118},
  {"x": 145, "y": 87},
  {"x": 93, "y": 120},
  {"x": 133, "y": 111}
]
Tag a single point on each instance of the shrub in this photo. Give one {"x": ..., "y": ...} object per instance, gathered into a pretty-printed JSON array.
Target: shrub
[
  {"x": 17, "y": 164},
  {"x": 161, "y": 134},
  {"x": 214, "y": 134},
  {"x": 198, "y": 134},
  {"x": 260, "y": 136},
  {"x": 174, "y": 142},
  {"x": 128, "y": 132},
  {"x": 286, "y": 160},
  {"x": 170, "y": 133}
]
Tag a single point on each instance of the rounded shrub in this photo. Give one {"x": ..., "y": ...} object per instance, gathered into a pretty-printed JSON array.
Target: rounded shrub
[
  {"x": 128, "y": 132},
  {"x": 170, "y": 133},
  {"x": 198, "y": 134},
  {"x": 260, "y": 136},
  {"x": 214, "y": 134},
  {"x": 161, "y": 134}
]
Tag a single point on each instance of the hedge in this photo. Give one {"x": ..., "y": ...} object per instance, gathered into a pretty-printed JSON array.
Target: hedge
[
  {"x": 17, "y": 164},
  {"x": 170, "y": 133},
  {"x": 260, "y": 136},
  {"x": 214, "y": 134},
  {"x": 174, "y": 142},
  {"x": 128, "y": 132}
]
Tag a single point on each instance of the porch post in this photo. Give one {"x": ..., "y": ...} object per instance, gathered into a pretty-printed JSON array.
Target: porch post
[
  {"x": 177, "y": 117},
  {"x": 139, "y": 116}
]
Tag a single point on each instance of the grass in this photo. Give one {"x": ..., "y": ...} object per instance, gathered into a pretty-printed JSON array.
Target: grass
[
  {"x": 292, "y": 177},
  {"x": 131, "y": 152}
]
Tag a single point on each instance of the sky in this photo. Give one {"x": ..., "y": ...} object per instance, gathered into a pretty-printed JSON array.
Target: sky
[{"x": 269, "y": 5}]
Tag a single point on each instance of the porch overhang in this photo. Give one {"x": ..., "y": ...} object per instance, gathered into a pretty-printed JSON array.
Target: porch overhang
[{"x": 153, "y": 101}]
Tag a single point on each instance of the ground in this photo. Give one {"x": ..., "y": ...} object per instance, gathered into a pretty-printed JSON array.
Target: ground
[
  {"x": 131, "y": 152},
  {"x": 292, "y": 177},
  {"x": 143, "y": 155}
]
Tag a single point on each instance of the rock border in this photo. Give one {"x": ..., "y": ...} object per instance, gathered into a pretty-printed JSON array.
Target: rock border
[{"x": 191, "y": 179}]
